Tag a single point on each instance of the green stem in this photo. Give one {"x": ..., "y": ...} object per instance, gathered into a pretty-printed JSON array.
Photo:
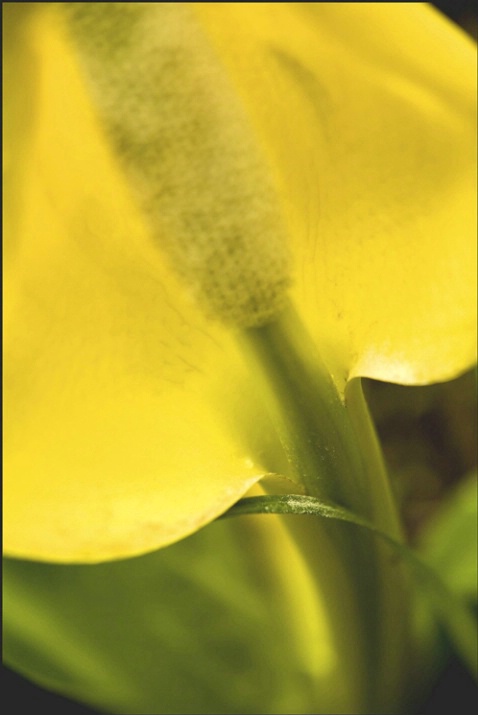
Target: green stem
[
  {"x": 394, "y": 604},
  {"x": 451, "y": 611},
  {"x": 330, "y": 449}
]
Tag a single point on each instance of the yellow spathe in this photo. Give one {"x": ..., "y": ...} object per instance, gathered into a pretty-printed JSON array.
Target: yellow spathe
[
  {"x": 117, "y": 389},
  {"x": 368, "y": 114},
  {"x": 113, "y": 442}
]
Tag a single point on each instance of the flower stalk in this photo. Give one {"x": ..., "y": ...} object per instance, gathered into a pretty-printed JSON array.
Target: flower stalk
[{"x": 331, "y": 452}]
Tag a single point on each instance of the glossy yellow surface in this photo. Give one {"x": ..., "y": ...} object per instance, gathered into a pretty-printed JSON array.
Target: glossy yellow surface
[
  {"x": 118, "y": 390},
  {"x": 368, "y": 115},
  {"x": 114, "y": 444}
]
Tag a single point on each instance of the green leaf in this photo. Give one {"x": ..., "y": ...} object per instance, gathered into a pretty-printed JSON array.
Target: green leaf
[
  {"x": 449, "y": 547},
  {"x": 453, "y": 613},
  {"x": 225, "y": 621},
  {"x": 450, "y": 544}
]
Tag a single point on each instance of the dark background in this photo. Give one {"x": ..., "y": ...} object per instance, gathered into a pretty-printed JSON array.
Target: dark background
[{"x": 455, "y": 689}]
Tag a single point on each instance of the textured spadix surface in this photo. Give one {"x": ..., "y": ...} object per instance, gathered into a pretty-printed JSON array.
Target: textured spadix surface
[
  {"x": 185, "y": 141},
  {"x": 340, "y": 145}
]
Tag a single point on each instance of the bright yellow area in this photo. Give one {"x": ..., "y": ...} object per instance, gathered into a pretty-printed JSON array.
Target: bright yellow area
[
  {"x": 113, "y": 443},
  {"x": 367, "y": 112}
]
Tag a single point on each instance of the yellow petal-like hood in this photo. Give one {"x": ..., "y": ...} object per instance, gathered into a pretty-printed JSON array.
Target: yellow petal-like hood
[
  {"x": 116, "y": 440},
  {"x": 368, "y": 114},
  {"x": 114, "y": 443}
]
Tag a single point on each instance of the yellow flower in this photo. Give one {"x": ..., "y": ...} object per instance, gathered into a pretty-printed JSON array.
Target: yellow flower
[{"x": 340, "y": 150}]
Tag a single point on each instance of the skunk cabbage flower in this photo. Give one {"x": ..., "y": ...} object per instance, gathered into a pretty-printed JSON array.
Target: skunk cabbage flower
[{"x": 177, "y": 173}]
